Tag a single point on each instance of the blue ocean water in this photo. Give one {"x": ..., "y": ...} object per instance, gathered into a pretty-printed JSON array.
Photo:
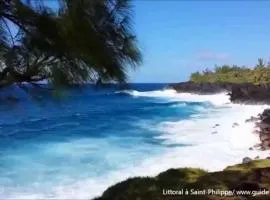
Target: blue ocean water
[{"x": 50, "y": 147}]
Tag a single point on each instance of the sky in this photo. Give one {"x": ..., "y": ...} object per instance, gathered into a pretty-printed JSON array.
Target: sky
[{"x": 180, "y": 37}]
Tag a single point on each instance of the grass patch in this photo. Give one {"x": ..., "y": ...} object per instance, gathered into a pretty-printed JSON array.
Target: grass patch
[{"x": 242, "y": 176}]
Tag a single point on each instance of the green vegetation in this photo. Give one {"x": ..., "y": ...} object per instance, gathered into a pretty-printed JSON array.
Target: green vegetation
[
  {"x": 251, "y": 176},
  {"x": 73, "y": 42},
  {"x": 255, "y": 164},
  {"x": 260, "y": 74}
]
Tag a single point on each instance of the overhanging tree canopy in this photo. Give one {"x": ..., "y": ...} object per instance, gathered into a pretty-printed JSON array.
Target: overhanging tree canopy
[{"x": 79, "y": 41}]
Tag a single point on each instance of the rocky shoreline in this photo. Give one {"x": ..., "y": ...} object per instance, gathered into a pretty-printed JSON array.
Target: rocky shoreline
[
  {"x": 251, "y": 175},
  {"x": 263, "y": 126},
  {"x": 201, "y": 88},
  {"x": 239, "y": 93}
]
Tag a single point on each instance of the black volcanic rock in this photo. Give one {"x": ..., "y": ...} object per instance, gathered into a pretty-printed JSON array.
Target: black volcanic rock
[
  {"x": 252, "y": 119},
  {"x": 249, "y": 93},
  {"x": 264, "y": 129},
  {"x": 201, "y": 88},
  {"x": 239, "y": 93}
]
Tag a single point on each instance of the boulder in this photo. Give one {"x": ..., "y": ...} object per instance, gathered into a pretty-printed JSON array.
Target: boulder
[
  {"x": 257, "y": 158},
  {"x": 266, "y": 144},
  {"x": 252, "y": 119},
  {"x": 216, "y": 125},
  {"x": 264, "y": 129},
  {"x": 265, "y": 114},
  {"x": 246, "y": 160},
  {"x": 235, "y": 125},
  {"x": 264, "y": 137},
  {"x": 262, "y": 125}
]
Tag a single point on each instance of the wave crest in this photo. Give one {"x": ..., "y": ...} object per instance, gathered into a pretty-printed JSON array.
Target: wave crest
[{"x": 170, "y": 94}]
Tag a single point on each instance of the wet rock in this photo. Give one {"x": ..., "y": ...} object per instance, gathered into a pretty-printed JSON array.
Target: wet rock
[
  {"x": 264, "y": 137},
  {"x": 249, "y": 93},
  {"x": 201, "y": 88},
  {"x": 246, "y": 160},
  {"x": 252, "y": 119},
  {"x": 263, "y": 148},
  {"x": 262, "y": 125},
  {"x": 264, "y": 129},
  {"x": 257, "y": 145},
  {"x": 216, "y": 125},
  {"x": 265, "y": 114},
  {"x": 235, "y": 125},
  {"x": 266, "y": 144}
]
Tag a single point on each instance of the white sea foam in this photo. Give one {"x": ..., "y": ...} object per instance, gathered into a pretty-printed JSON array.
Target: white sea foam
[
  {"x": 155, "y": 93},
  {"x": 170, "y": 94},
  {"x": 218, "y": 135},
  {"x": 211, "y": 138}
]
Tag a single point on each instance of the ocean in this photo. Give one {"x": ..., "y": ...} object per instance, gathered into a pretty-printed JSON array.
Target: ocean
[{"x": 76, "y": 145}]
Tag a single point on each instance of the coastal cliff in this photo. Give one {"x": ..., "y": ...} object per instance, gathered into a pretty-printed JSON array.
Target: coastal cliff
[
  {"x": 239, "y": 92},
  {"x": 250, "y": 94},
  {"x": 201, "y": 88}
]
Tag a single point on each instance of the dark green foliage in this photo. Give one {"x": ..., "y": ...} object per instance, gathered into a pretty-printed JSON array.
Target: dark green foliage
[
  {"x": 178, "y": 177},
  {"x": 81, "y": 41},
  {"x": 260, "y": 74},
  {"x": 135, "y": 187},
  {"x": 233, "y": 177}
]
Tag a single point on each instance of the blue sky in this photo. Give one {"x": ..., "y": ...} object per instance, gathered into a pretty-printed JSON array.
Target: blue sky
[{"x": 179, "y": 37}]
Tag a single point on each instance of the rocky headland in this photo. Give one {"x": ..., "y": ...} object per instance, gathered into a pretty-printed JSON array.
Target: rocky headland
[
  {"x": 239, "y": 93},
  {"x": 201, "y": 88}
]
